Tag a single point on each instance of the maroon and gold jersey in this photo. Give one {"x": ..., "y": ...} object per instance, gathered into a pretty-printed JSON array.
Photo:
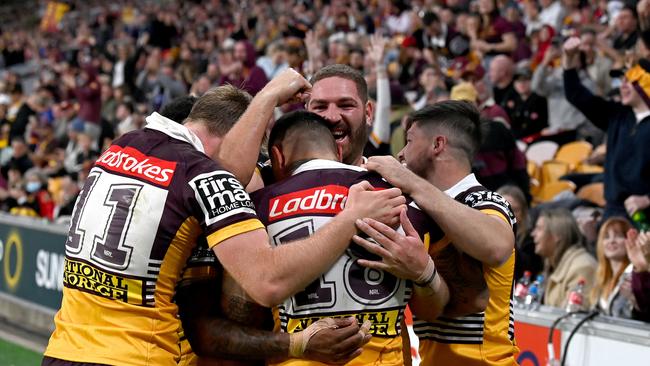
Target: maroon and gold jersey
[
  {"x": 298, "y": 206},
  {"x": 485, "y": 338},
  {"x": 143, "y": 206}
]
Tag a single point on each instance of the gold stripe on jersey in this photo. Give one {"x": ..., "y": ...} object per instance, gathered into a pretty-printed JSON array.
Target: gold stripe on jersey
[
  {"x": 233, "y": 230},
  {"x": 499, "y": 214},
  {"x": 85, "y": 277}
]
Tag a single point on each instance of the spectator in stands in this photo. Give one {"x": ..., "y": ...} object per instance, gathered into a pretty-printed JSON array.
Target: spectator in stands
[
  {"x": 501, "y": 74},
  {"x": 19, "y": 157},
  {"x": 124, "y": 115},
  {"x": 625, "y": 28},
  {"x": 638, "y": 251},
  {"x": 547, "y": 81},
  {"x": 558, "y": 240},
  {"x": 87, "y": 91},
  {"x": 627, "y": 125},
  {"x": 526, "y": 259},
  {"x": 528, "y": 111},
  {"x": 274, "y": 62},
  {"x": 494, "y": 35},
  {"x": 612, "y": 292},
  {"x": 551, "y": 13},
  {"x": 245, "y": 73}
]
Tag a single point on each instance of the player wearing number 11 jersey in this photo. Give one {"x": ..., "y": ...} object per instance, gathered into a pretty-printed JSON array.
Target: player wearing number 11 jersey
[{"x": 145, "y": 202}]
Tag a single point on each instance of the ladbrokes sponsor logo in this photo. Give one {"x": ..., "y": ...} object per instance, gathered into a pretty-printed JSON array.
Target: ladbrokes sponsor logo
[
  {"x": 90, "y": 279},
  {"x": 220, "y": 195},
  {"x": 134, "y": 163},
  {"x": 328, "y": 199}
]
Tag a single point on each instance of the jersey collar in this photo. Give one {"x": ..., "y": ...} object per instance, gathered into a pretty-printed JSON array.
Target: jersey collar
[
  {"x": 174, "y": 130},
  {"x": 318, "y": 164},
  {"x": 466, "y": 183}
]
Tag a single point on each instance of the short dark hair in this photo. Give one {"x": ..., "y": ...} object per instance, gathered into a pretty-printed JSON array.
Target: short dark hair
[
  {"x": 459, "y": 120},
  {"x": 343, "y": 72},
  {"x": 314, "y": 129},
  {"x": 219, "y": 108},
  {"x": 178, "y": 109}
]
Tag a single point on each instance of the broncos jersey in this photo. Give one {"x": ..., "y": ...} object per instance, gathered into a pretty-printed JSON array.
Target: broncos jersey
[
  {"x": 485, "y": 338},
  {"x": 144, "y": 204},
  {"x": 298, "y": 206}
]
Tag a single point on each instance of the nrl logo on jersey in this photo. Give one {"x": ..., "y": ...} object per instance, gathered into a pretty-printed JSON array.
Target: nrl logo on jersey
[{"x": 220, "y": 195}]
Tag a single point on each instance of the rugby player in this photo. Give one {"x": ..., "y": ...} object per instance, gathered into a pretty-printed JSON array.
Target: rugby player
[
  {"x": 312, "y": 187},
  {"x": 441, "y": 142},
  {"x": 144, "y": 204}
]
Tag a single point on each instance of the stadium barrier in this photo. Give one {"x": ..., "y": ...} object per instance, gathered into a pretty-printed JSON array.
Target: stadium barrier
[{"x": 31, "y": 271}]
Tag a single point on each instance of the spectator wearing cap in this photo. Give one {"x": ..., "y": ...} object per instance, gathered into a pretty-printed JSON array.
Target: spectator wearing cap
[
  {"x": 627, "y": 124},
  {"x": 527, "y": 110}
]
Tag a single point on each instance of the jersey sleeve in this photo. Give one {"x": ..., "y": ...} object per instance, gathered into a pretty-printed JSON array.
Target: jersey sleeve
[
  {"x": 493, "y": 204},
  {"x": 220, "y": 203}
]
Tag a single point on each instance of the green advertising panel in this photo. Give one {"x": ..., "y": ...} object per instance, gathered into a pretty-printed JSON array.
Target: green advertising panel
[{"x": 31, "y": 260}]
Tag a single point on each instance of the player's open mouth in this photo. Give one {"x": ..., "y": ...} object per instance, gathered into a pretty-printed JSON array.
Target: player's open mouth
[{"x": 339, "y": 135}]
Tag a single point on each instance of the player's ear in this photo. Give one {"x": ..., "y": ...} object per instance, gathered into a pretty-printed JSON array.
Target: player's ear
[{"x": 277, "y": 157}]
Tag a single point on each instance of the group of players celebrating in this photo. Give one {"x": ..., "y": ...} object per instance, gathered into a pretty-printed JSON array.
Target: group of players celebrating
[{"x": 316, "y": 266}]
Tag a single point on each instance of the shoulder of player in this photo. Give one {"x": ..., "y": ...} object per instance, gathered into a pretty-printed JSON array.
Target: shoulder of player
[{"x": 483, "y": 199}]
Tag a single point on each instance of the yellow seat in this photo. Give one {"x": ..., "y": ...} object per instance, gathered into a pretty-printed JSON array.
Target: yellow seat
[
  {"x": 548, "y": 191},
  {"x": 552, "y": 171},
  {"x": 594, "y": 192},
  {"x": 534, "y": 174},
  {"x": 573, "y": 153},
  {"x": 589, "y": 168}
]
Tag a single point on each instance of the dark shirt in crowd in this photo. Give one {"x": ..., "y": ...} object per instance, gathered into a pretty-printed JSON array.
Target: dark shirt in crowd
[{"x": 527, "y": 117}]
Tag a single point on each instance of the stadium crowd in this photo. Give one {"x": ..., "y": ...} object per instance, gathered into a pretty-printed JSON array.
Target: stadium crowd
[{"x": 556, "y": 71}]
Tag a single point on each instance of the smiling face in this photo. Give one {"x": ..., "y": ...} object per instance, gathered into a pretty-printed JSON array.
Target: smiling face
[
  {"x": 614, "y": 244},
  {"x": 337, "y": 100},
  {"x": 545, "y": 242},
  {"x": 416, "y": 154}
]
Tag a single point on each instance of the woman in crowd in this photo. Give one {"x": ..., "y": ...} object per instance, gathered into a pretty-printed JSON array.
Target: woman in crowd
[
  {"x": 612, "y": 293},
  {"x": 558, "y": 240},
  {"x": 525, "y": 257}
]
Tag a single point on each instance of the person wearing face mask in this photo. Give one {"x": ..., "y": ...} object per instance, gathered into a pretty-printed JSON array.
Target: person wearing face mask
[{"x": 612, "y": 294}]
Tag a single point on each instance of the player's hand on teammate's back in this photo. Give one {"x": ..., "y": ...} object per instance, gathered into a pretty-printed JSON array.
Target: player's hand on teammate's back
[
  {"x": 384, "y": 206},
  {"x": 288, "y": 86},
  {"x": 338, "y": 345},
  {"x": 393, "y": 171},
  {"x": 404, "y": 256}
]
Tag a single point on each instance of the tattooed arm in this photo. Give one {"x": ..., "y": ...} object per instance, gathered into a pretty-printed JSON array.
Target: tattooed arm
[
  {"x": 228, "y": 328},
  {"x": 464, "y": 277}
]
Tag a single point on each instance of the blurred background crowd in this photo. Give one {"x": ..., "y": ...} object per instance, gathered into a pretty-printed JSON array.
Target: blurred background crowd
[{"x": 74, "y": 75}]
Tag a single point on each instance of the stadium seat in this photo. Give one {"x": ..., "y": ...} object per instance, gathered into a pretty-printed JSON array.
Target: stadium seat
[
  {"x": 542, "y": 151},
  {"x": 548, "y": 191},
  {"x": 594, "y": 192},
  {"x": 574, "y": 153},
  {"x": 552, "y": 171},
  {"x": 589, "y": 168}
]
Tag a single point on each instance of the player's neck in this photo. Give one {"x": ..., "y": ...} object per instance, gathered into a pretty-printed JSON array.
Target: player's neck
[{"x": 446, "y": 175}]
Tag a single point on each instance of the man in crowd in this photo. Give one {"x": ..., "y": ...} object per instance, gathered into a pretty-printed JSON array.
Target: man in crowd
[
  {"x": 627, "y": 125},
  {"x": 133, "y": 270},
  {"x": 441, "y": 142}
]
